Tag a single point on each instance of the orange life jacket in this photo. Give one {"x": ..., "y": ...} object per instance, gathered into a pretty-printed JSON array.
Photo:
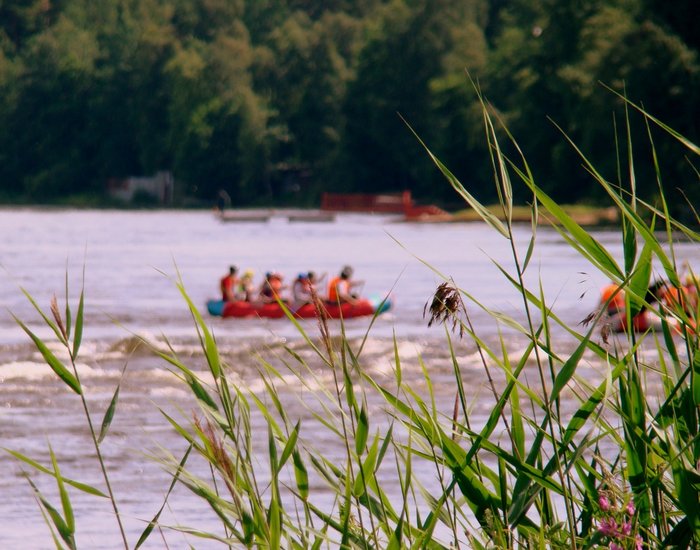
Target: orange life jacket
[
  {"x": 336, "y": 287},
  {"x": 618, "y": 301}
]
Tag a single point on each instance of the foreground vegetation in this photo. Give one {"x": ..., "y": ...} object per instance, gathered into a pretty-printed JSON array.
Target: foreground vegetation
[
  {"x": 620, "y": 471},
  {"x": 277, "y": 100}
]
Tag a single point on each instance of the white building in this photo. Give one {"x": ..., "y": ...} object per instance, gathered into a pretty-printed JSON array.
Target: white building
[{"x": 160, "y": 187}]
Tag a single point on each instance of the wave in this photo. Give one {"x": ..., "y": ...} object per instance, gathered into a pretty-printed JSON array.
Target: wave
[{"x": 39, "y": 370}]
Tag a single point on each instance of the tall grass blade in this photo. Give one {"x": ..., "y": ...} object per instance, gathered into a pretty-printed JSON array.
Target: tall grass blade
[
  {"x": 479, "y": 208},
  {"x": 209, "y": 345},
  {"x": 290, "y": 446},
  {"x": 51, "y": 360},
  {"x": 584, "y": 242},
  {"x": 190, "y": 378},
  {"x": 68, "y": 315},
  {"x": 109, "y": 415},
  {"x": 151, "y": 524},
  {"x": 78, "y": 337},
  {"x": 47, "y": 521},
  {"x": 76, "y": 484},
  {"x": 300, "y": 475},
  {"x": 59, "y": 523},
  {"x": 49, "y": 322},
  {"x": 639, "y": 282},
  {"x": 367, "y": 469},
  {"x": 65, "y": 500},
  {"x": 627, "y": 211},
  {"x": 362, "y": 430},
  {"x": 682, "y": 139},
  {"x": 569, "y": 368}
]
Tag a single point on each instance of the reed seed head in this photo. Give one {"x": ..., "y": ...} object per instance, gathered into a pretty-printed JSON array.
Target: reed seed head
[{"x": 445, "y": 306}]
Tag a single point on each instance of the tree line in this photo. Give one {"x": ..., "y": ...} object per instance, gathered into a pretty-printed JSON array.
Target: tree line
[{"x": 275, "y": 101}]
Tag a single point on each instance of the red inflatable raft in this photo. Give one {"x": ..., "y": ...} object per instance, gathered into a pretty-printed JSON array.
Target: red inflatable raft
[{"x": 362, "y": 308}]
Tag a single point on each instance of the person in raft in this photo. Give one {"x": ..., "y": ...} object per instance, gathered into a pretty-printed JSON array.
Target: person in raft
[
  {"x": 271, "y": 288},
  {"x": 228, "y": 285},
  {"x": 304, "y": 288},
  {"x": 301, "y": 289},
  {"x": 245, "y": 290},
  {"x": 614, "y": 297},
  {"x": 340, "y": 287}
]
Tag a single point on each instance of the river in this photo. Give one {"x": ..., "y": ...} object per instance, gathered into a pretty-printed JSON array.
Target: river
[{"x": 128, "y": 263}]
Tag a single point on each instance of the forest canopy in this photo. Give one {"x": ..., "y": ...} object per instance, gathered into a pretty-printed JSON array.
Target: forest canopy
[{"x": 278, "y": 100}]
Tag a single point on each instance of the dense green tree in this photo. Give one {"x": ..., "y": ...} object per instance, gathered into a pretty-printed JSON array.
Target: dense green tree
[
  {"x": 241, "y": 94},
  {"x": 45, "y": 138},
  {"x": 218, "y": 124},
  {"x": 21, "y": 19},
  {"x": 549, "y": 62},
  {"x": 527, "y": 82},
  {"x": 653, "y": 67},
  {"x": 393, "y": 81},
  {"x": 303, "y": 78}
]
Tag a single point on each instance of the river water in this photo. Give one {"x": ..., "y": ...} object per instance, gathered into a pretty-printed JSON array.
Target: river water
[{"x": 128, "y": 263}]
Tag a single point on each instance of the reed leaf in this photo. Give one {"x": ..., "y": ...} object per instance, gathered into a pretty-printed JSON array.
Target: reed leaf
[
  {"x": 190, "y": 378},
  {"x": 569, "y": 368},
  {"x": 632, "y": 408},
  {"x": 209, "y": 347},
  {"x": 274, "y": 518},
  {"x": 49, "y": 322},
  {"x": 695, "y": 379},
  {"x": 290, "y": 446},
  {"x": 151, "y": 524},
  {"x": 362, "y": 430},
  {"x": 639, "y": 282},
  {"x": 396, "y": 537},
  {"x": 65, "y": 499},
  {"x": 272, "y": 451},
  {"x": 479, "y": 208},
  {"x": 68, "y": 315},
  {"x": 677, "y": 135},
  {"x": 51, "y": 360},
  {"x": 630, "y": 214},
  {"x": 88, "y": 489},
  {"x": 109, "y": 415},
  {"x": 301, "y": 475},
  {"x": 64, "y": 531},
  {"x": 579, "y": 237},
  {"x": 47, "y": 521},
  {"x": 79, "y": 320},
  {"x": 366, "y": 470}
]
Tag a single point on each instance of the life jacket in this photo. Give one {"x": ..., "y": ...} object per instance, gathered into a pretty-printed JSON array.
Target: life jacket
[
  {"x": 679, "y": 301},
  {"x": 275, "y": 287},
  {"x": 617, "y": 303},
  {"x": 228, "y": 284},
  {"x": 674, "y": 298},
  {"x": 617, "y": 312},
  {"x": 336, "y": 287}
]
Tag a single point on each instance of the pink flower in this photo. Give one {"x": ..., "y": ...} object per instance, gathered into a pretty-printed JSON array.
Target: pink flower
[
  {"x": 630, "y": 509},
  {"x": 638, "y": 542},
  {"x": 603, "y": 502},
  {"x": 626, "y": 528},
  {"x": 608, "y": 527},
  {"x": 615, "y": 546}
]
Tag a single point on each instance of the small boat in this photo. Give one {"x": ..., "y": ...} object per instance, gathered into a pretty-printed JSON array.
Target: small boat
[{"x": 364, "y": 307}]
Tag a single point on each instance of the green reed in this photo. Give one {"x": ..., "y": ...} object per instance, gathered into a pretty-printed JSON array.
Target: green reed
[
  {"x": 70, "y": 338},
  {"x": 620, "y": 471}
]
